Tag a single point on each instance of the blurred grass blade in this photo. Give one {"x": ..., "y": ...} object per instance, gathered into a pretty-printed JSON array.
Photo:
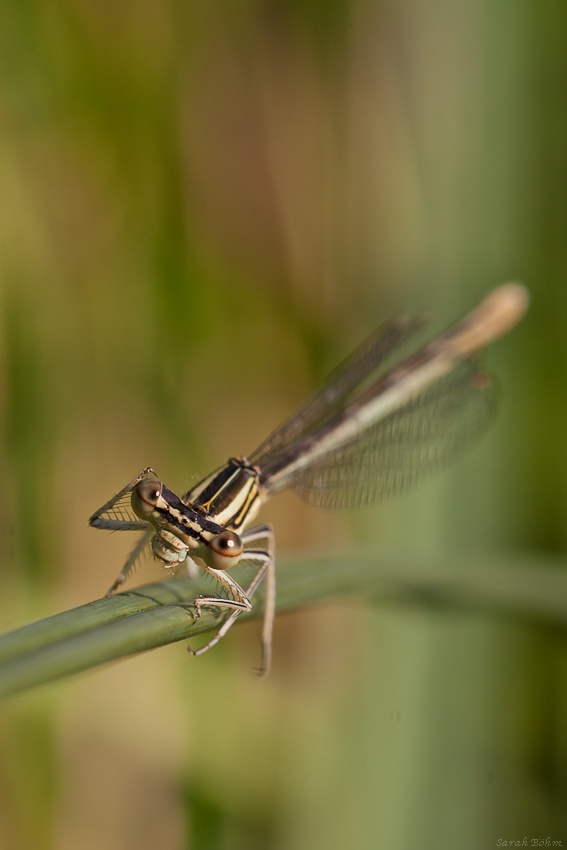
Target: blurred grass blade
[{"x": 150, "y": 616}]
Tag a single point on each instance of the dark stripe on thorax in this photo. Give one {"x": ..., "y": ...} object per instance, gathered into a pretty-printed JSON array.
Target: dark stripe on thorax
[
  {"x": 220, "y": 480},
  {"x": 184, "y": 519},
  {"x": 236, "y": 478},
  {"x": 238, "y": 520}
]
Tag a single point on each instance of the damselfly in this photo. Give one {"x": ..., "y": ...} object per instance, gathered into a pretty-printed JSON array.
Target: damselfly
[{"x": 365, "y": 435}]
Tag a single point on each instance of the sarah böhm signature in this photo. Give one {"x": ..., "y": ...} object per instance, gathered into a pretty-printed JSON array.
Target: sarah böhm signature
[{"x": 529, "y": 842}]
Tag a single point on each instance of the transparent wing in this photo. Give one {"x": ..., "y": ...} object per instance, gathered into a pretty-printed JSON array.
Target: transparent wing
[
  {"x": 347, "y": 377},
  {"x": 422, "y": 436}
]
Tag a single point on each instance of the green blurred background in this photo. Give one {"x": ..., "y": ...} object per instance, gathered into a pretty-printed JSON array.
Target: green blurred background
[{"x": 203, "y": 206}]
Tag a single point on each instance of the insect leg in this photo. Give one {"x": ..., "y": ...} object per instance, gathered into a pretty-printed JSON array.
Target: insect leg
[
  {"x": 239, "y": 599},
  {"x": 99, "y": 521},
  {"x": 266, "y": 559},
  {"x": 131, "y": 559},
  {"x": 265, "y": 532}
]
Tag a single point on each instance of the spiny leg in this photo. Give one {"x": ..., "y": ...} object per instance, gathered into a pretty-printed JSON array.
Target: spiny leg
[
  {"x": 252, "y": 554},
  {"x": 239, "y": 599},
  {"x": 267, "y": 557},
  {"x": 239, "y": 602},
  {"x": 98, "y": 521},
  {"x": 131, "y": 559},
  {"x": 266, "y": 532},
  {"x": 118, "y": 523}
]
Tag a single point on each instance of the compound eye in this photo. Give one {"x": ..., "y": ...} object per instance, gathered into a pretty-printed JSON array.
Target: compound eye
[
  {"x": 225, "y": 549},
  {"x": 145, "y": 497}
]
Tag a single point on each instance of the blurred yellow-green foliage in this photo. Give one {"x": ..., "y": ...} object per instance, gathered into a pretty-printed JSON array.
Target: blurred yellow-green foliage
[{"x": 202, "y": 206}]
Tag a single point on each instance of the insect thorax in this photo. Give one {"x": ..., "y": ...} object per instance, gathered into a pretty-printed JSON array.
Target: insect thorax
[{"x": 229, "y": 496}]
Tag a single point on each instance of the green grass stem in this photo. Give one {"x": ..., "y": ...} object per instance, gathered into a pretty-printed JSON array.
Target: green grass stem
[{"x": 150, "y": 616}]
